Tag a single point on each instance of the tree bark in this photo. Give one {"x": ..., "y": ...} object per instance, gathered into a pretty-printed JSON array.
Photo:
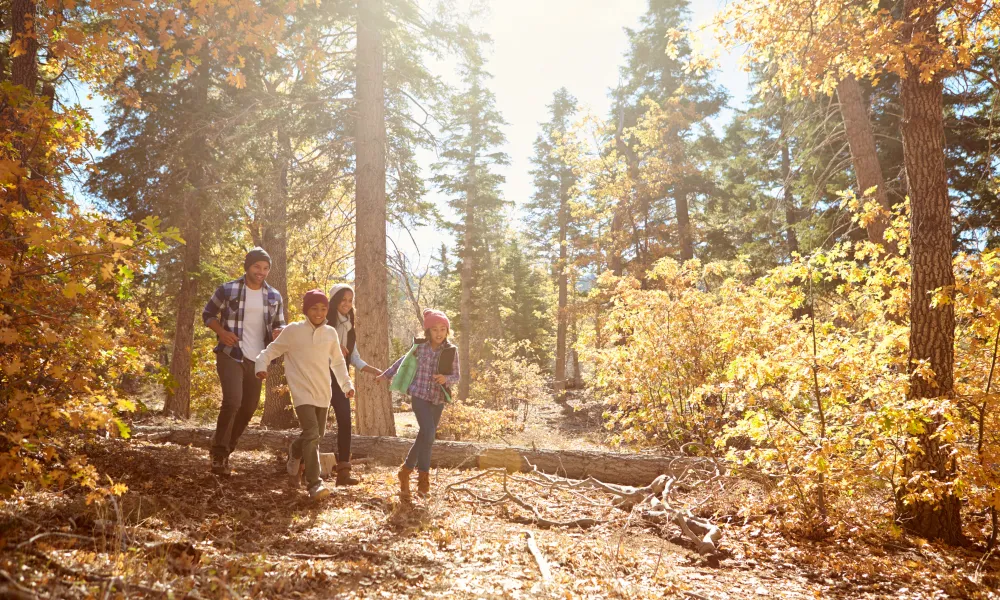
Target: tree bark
[
  {"x": 610, "y": 467},
  {"x": 465, "y": 298},
  {"x": 932, "y": 329},
  {"x": 864, "y": 156},
  {"x": 24, "y": 72},
  {"x": 788, "y": 197},
  {"x": 24, "y": 67},
  {"x": 562, "y": 316},
  {"x": 374, "y": 402},
  {"x": 178, "y": 401},
  {"x": 278, "y": 413},
  {"x": 684, "y": 224}
]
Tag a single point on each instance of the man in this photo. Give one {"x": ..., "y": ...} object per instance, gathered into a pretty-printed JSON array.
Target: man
[{"x": 246, "y": 315}]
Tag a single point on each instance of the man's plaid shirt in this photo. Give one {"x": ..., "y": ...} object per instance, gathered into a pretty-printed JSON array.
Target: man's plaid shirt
[{"x": 226, "y": 306}]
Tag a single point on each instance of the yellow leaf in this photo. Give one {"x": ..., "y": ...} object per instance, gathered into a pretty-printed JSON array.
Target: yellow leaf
[
  {"x": 10, "y": 170},
  {"x": 74, "y": 289},
  {"x": 13, "y": 368}
]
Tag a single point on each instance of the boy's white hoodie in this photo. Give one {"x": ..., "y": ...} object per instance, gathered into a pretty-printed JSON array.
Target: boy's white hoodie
[{"x": 310, "y": 352}]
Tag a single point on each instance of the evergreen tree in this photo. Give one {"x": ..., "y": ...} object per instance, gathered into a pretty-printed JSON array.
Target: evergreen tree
[
  {"x": 549, "y": 212},
  {"x": 467, "y": 173},
  {"x": 527, "y": 306},
  {"x": 655, "y": 70}
]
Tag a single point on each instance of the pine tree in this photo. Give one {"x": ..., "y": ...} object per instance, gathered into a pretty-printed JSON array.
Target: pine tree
[
  {"x": 549, "y": 212},
  {"x": 467, "y": 174},
  {"x": 655, "y": 69}
]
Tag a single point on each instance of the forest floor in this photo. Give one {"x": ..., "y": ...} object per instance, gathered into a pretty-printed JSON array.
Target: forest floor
[
  {"x": 180, "y": 532},
  {"x": 252, "y": 535}
]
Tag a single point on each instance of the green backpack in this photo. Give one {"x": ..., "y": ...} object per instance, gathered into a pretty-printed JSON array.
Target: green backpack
[{"x": 407, "y": 371}]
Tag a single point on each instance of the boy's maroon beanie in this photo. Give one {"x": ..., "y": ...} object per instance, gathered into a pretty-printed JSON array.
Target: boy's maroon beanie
[
  {"x": 314, "y": 297},
  {"x": 435, "y": 317}
]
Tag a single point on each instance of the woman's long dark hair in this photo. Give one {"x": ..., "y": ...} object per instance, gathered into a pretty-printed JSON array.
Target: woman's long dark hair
[{"x": 335, "y": 302}]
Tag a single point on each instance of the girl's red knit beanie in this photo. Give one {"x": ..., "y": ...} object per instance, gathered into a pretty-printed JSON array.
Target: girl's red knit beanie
[{"x": 435, "y": 317}]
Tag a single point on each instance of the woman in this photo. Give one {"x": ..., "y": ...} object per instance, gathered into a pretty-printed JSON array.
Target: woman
[{"x": 342, "y": 319}]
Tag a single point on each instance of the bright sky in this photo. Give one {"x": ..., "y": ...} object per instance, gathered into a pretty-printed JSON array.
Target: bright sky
[{"x": 542, "y": 45}]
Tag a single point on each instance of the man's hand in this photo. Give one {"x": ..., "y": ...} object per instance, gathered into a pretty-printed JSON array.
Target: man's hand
[
  {"x": 349, "y": 394},
  {"x": 343, "y": 350},
  {"x": 275, "y": 333},
  {"x": 229, "y": 339},
  {"x": 262, "y": 375},
  {"x": 440, "y": 379}
]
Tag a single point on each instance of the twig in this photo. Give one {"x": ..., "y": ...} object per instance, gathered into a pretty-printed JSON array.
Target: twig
[
  {"x": 543, "y": 565},
  {"x": 359, "y": 551},
  {"x": 19, "y": 591},
  {"x": 35, "y": 538}
]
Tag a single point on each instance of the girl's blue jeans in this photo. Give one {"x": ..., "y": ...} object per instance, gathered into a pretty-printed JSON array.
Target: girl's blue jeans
[{"x": 428, "y": 416}]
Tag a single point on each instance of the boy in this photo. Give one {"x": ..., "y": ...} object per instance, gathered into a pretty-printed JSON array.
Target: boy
[{"x": 312, "y": 348}]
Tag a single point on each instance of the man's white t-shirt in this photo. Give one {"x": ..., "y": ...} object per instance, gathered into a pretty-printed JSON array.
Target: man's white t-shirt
[{"x": 254, "y": 326}]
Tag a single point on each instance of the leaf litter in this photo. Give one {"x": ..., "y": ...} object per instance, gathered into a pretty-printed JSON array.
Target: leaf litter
[{"x": 180, "y": 532}]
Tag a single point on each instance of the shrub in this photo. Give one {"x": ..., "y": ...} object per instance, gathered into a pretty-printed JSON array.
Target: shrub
[
  {"x": 807, "y": 367},
  {"x": 503, "y": 389}
]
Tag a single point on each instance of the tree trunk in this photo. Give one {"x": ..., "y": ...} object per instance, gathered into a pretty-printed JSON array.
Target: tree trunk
[
  {"x": 684, "y": 224},
  {"x": 932, "y": 329},
  {"x": 788, "y": 197},
  {"x": 374, "y": 402},
  {"x": 178, "y": 402},
  {"x": 577, "y": 382},
  {"x": 24, "y": 66},
  {"x": 24, "y": 72},
  {"x": 278, "y": 413},
  {"x": 562, "y": 315},
  {"x": 864, "y": 156},
  {"x": 465, "y": 300},
  {"x": 610, "y": 467},
  {"x": 4, "y": 56}
]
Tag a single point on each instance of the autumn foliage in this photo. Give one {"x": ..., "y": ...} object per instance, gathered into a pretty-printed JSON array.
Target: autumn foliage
[
  {"x": 802, "y": 375},
  {"x": 70, "y": 330}
]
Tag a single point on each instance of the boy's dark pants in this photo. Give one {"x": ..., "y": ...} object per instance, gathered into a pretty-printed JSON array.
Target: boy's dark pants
[
  {"x": 240, "y": 397},
  {"x": 342, "y": 410},
  {"x": 313, "y": 422}
]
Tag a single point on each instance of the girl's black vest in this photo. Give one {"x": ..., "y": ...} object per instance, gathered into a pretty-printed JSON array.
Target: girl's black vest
[{"x": 447, "y": 359}]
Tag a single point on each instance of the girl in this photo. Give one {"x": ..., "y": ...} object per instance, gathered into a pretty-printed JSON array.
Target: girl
[
  {"x": 426, "y": 374},
  {"x": 342, "y": 319}
]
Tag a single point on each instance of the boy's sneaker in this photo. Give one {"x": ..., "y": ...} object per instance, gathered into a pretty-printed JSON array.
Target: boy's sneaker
[
  {"x": 220, "y": 465},
  {"x": 318, "y": 492}
]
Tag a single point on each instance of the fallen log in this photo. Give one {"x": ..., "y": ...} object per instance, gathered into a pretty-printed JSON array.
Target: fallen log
[{"x": 609, "y": 467}]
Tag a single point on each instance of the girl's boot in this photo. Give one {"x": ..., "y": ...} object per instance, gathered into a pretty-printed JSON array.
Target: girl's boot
[
  {"x": 344, "y": 475},
  {"x": 404, "y": 482},
  {"x": 423, "y": 483}
]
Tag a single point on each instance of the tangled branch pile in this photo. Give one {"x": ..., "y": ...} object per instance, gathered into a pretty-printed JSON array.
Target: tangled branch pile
[{"x": 552, "y": 501}]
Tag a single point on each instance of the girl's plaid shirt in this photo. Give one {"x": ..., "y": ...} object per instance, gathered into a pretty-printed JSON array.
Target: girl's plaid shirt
[{"x": 226, "y": 306}]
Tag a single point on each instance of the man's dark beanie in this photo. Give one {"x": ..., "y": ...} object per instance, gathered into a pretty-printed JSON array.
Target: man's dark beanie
[{"x": 256, "y": 255}]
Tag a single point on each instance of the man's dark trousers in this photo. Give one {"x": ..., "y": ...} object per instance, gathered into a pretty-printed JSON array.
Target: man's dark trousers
[{"x": 240, "y": 397}]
